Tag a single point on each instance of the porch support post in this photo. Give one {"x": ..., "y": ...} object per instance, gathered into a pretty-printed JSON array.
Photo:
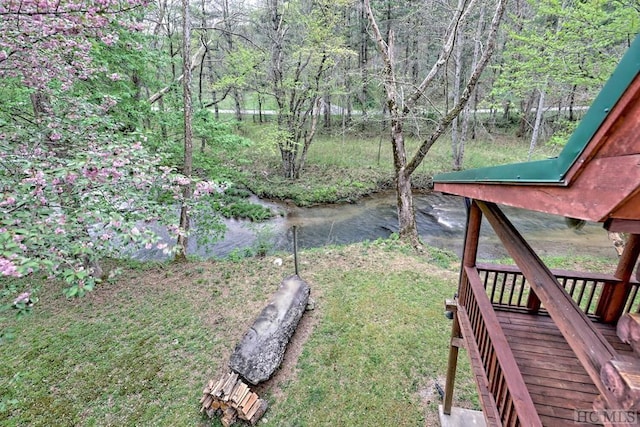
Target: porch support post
[
  {"x": 614, "y": 295},
  {"x": 452, "y": 364},
  {"x": 474, "y": 221}
]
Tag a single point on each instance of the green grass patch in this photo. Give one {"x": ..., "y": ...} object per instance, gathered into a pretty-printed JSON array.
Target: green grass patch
[
  {"x": 138, "y": 351},
  {"x": 345, "y": 167}
]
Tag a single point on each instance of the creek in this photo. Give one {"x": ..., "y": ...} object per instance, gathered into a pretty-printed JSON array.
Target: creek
[{"x": 441, "y": 222}]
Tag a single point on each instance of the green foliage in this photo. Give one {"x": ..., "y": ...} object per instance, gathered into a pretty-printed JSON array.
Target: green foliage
[
  {"x": 234, "y": 203},
  {"x": 220, "y": 135},
  {"x": 442, "y": 258},
  {"x": 565, "y": 44},
  {"x": 127, "y": 65},
  {"x": 562, "y": 134}
]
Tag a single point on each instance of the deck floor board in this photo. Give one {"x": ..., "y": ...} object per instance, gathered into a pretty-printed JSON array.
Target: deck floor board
[{"x": 557, "y": 383}]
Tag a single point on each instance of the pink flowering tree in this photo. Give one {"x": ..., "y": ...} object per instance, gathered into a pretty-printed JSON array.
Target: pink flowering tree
[{"x": 75, "y": 184}]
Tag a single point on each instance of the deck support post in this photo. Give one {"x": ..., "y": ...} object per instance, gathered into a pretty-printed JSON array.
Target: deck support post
[
  {"x": 614, "y": 295},
  {"x": 452, "y": 364},
  {"x": 472, "y": 236}
]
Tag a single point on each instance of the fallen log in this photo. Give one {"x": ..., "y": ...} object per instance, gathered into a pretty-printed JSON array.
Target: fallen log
[{"x": 261, "y": 350}]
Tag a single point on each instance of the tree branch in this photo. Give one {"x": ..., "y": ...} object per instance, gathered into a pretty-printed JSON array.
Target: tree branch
[
  {"x": 194, "y": 63},
  {"x": 461, "y": 15},
  {"x": 444, "y": 123}
]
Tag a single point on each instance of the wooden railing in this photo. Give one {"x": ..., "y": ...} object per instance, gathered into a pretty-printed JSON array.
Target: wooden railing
[
  {"x": 507, "y": 288},
  {"x": 505, "y": 382}
]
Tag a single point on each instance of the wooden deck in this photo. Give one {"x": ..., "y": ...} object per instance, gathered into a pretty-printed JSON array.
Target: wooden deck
[{"x": 557, "y": 382}]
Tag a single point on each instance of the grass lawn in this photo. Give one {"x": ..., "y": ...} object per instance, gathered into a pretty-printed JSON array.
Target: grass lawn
[
  {"x": 138, "y": 351},
  {"x": 344, "y": 167}
]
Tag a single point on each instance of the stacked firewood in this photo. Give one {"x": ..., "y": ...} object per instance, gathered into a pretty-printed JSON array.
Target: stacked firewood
[{"x": 231, "y": 399}]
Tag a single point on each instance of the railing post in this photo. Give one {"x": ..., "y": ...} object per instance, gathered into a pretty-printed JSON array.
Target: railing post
[
  {"x": 533, "y": 302},
  {"x": 614, "y": 295}
]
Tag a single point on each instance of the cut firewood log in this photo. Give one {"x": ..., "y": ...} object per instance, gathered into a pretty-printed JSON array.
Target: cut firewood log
[
  {"x": 229, "y": 417},
  {"x": 229, "y": 386},
  {"x": 622, "y": 378},
  {"x": 217, "y": 389},
  {"x": 257, "y": 411},
  {"x": 628, "y": 330},
  {"x": 247, "y": 406},
  {"x": 239, "y": 393},
  {"x": 244, "y": 400},
  {"x": 231, "y": 399}
]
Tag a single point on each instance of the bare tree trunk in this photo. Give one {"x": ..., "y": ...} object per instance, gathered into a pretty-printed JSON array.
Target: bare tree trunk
[
  {"x": 525, "y": 111},
  {"x": 237, "y": 96},
  {"x": 408, "y": 229},
  {"x": 538, "y": 122},
  {"x": 363, "y": 60},
  {"x": 327, "y": 111},
  {"x": 315, "y": 114},
  {"x": 403, "y": 169},
  {"x": 572, "y": 100},
  {"x": 457, "y": 138},
  {"x": 163, "y": 126},
  {"x": 181, "y": 254},
  {"x": 466, "y": 114}
]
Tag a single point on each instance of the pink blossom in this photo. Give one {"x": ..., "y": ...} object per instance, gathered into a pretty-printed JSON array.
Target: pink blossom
[
  {"x": 59, "y": 230},
  {"x": 135, "y": 231},
  {"x": 9, "y": 201},
  {"x": 22, "y": 298},
  {"x": 71, "y": 178},
  {"x": 182, "y": 180},
  {"x": 109, "y": 39},
  {"x": 115, "y": 77},
  {"x": 8, "y": 268},
  {"x": 55, "y": 136},
  {"x": 90, "y": 172}
]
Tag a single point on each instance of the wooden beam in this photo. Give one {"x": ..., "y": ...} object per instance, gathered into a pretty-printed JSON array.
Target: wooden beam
[
  {"x": 622, "y": 225},
  {"x": 474, "y": 221},
  {"x": 471, "y": 239},
  {"x": 591, "y": 348}
]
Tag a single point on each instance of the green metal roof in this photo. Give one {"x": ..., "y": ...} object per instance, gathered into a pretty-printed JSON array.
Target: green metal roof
[{"x": 553, "y": 171}]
